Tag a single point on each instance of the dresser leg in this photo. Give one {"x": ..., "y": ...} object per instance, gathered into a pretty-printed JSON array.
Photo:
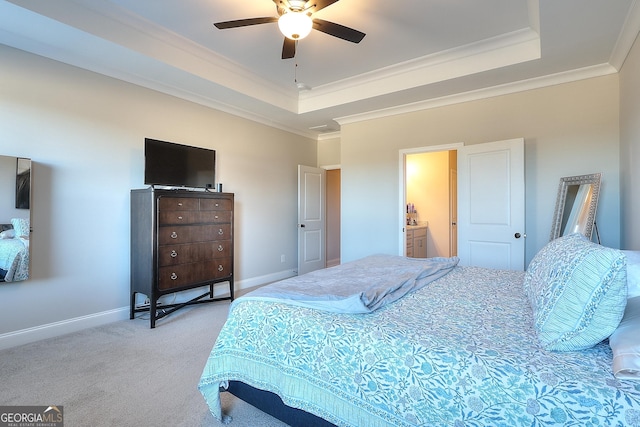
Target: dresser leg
[
  {"x": 133, "y": 305},
  {"x": 152, "y": 313}
]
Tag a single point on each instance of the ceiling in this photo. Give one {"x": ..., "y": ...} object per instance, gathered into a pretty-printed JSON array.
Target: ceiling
[{"x": 416, "y": 53}]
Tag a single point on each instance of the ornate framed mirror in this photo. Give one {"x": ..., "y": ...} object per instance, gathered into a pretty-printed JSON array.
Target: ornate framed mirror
[
  {"x": 576, "y": 205},
  {"x": 15, "y": 218}
]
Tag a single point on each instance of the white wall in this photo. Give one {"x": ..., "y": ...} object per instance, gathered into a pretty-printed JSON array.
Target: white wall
[
  {"x": 85, "y": 134},
  {"x": 630, "y": 149},
  {"x": 569, "y": 129}
]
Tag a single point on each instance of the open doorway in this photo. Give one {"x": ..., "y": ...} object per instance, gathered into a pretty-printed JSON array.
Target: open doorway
[
  {"x": 430, "y": 195},
  {"x": 429, "y": 200},
  {"x": 333, "y": 217}
]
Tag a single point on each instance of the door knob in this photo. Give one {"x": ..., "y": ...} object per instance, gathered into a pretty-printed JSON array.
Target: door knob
[
  {"x": 517, "y": 235},
  {"x": 302, "y": 225}
]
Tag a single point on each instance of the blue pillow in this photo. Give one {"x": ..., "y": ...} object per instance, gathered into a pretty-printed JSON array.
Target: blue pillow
[{"x": 578, "y": 292}]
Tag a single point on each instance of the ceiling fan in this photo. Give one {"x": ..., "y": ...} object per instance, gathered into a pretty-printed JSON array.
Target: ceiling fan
[{"x": 295, "y": 22}]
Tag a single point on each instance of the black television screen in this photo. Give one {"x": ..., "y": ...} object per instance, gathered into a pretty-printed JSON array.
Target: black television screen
[{"x": 176, "y": 165}]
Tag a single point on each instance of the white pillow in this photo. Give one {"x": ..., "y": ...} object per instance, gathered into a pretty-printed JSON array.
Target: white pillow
[
  {"x": 625, "y": 343},
  {"x": 21, "y": 226},
  {"x": 633, "y": 273},
  {"x": 8, "y": 234}
]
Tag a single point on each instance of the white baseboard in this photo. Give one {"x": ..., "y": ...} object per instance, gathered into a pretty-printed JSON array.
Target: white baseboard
[
  {"x": 55, "y": 329},
  {"x": 50, "y": 330},
  {"x": 333, "y": 262}
]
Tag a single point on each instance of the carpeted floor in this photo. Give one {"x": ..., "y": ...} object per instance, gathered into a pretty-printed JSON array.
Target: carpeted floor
[{"x": 126, "y": 374}]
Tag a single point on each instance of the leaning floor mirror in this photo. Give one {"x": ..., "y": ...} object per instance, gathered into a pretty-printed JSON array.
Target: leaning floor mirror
[
  {"x": 15, "y": 218},
  {"x": 576, "y": 205}
]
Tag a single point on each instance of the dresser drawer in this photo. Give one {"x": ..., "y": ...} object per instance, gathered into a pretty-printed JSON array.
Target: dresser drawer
[
  {"x": 177, "y": 276},
  {"x": 177, "y": 234},
  {"x": 409, "y": 238},
  {"x": 193, "y": 252},
  {"x": 419, "y": 232},
  {"x": 215, "y": 204},
  {"x": 177, "y": 204},
  {"x": 193, "y": 217}
]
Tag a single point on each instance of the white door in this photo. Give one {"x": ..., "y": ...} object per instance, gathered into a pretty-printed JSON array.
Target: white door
[
  {"x": 311, "y": 219},
  {"x": 491, "y": 205}
]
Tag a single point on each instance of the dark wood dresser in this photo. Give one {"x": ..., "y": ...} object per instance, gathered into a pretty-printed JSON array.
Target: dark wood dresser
[{"x": 180, "y": 240}]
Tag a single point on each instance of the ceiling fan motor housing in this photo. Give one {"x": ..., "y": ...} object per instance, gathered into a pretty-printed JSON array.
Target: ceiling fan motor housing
[{"x": 294, "y": 21}]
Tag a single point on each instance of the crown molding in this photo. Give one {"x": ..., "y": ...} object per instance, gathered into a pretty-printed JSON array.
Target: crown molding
[
  {"x": 328, "y": 135},
  {"x": 505, "y": 89},
  {"x": 627, "y": 37},
  {"x": 496, "y": 52}
]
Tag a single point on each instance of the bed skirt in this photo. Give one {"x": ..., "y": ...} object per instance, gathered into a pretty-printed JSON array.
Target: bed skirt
[{"x": 272, "y": 404}]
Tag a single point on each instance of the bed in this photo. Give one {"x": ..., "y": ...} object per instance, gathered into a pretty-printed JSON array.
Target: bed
[
  {"x": 14, "y": 253},
  {"x": 472, "y": 347}
]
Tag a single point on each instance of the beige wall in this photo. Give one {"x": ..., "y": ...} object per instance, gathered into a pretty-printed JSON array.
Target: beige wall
[
  {"x": 329, "y": 152},
  {"x": 85, "y": 133},
  {"x": 569, "y": 129},
  {"x": 630, "y": 149}
]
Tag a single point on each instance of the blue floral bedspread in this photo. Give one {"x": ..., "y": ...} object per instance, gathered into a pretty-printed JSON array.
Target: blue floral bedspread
[
  {"x": 14, "y": 258},
  {"x": 459, "y": 352}
]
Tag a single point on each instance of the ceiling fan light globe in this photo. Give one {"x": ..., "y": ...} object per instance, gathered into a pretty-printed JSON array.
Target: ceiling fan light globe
[{"x": 295, "y": 25}]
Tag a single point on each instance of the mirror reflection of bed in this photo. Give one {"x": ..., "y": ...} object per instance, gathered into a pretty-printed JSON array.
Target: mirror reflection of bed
[{"x": 15, "y": 218}]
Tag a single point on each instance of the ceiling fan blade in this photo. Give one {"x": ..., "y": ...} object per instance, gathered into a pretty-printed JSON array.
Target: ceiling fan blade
[
  {"x": 288, "y": 48},
  {"x": 337, "y": 30},
  {"x": 321, "y": 4},
  {"x": 244, "y": 22}
]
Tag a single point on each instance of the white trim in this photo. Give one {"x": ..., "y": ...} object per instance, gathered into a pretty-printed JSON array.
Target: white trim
[
  {"x": 490, "y": 92},
  {"x": 496, "y": 52},
  {"x": 330, "y": 167},
  {"x": 263, "y": 280},
  {"x": 63, "y": 327},
  {"x": 329, "y": 135},
  {"x": 627, "y": 36},
  {"x": 67, "y": 326},
  {"x": 402, "y": 183}
]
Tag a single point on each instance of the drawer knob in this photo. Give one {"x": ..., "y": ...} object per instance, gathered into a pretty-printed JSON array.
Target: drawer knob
[
  {"x": 220, "y": 267},
  {"x": 174, "y": 276},
  {"x": 180, "y": 217},
  {"x": 174, "y": 254},
  {"x": 179, "y": 203},
  {"x": 220, "y": 232},
  {"x": 216, "y": 217},
  {"x": 174, "y": 235},
  {"x": 217, "y": 205},
  {"x": 220, "y": 248}
]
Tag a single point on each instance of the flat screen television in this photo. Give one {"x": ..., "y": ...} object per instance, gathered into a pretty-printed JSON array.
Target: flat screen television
[{"x": 176, "y": 165}]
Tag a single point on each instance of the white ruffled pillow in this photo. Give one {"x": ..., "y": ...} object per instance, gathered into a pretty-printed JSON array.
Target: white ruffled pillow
[
  {"x": 8, "y": 234},
  {"x": 625, "y": 343},
  {"x": 633, "y": 273}
]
